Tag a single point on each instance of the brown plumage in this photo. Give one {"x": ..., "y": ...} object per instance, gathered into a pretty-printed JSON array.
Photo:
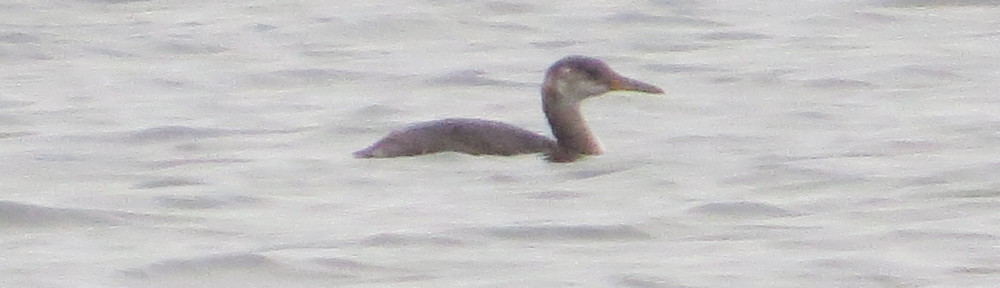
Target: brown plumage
[{"x": 567, "y": 82}]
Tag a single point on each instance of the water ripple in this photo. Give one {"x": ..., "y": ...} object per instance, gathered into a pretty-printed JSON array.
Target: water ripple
[
  {"x": 741, "y": 210},
  {"x": 568, "y": 232}
]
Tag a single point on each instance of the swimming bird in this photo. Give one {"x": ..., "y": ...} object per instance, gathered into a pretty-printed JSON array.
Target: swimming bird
[{"x": 567, "y": 83}]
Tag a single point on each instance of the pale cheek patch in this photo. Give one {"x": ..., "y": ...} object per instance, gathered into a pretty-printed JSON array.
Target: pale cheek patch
[{"x": 577, "y": 89}]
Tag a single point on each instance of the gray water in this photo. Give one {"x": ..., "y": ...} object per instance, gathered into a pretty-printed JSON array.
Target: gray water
[{"x": 184, "y": 143}]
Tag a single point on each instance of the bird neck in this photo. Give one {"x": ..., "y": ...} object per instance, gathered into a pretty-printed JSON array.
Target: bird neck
[{"x": 568, "y": 126}]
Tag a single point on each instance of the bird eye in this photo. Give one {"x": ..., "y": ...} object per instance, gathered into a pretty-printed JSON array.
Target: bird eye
[{"x": 590, "y": 74}]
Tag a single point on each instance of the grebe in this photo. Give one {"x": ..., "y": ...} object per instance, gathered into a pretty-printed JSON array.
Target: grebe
[{"x": 567, "y": 82}]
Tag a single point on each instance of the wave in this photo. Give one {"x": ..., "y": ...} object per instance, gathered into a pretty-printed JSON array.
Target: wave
[
  {"x": 14, "y": 214},
  {"x": 568, "y": 232}
]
